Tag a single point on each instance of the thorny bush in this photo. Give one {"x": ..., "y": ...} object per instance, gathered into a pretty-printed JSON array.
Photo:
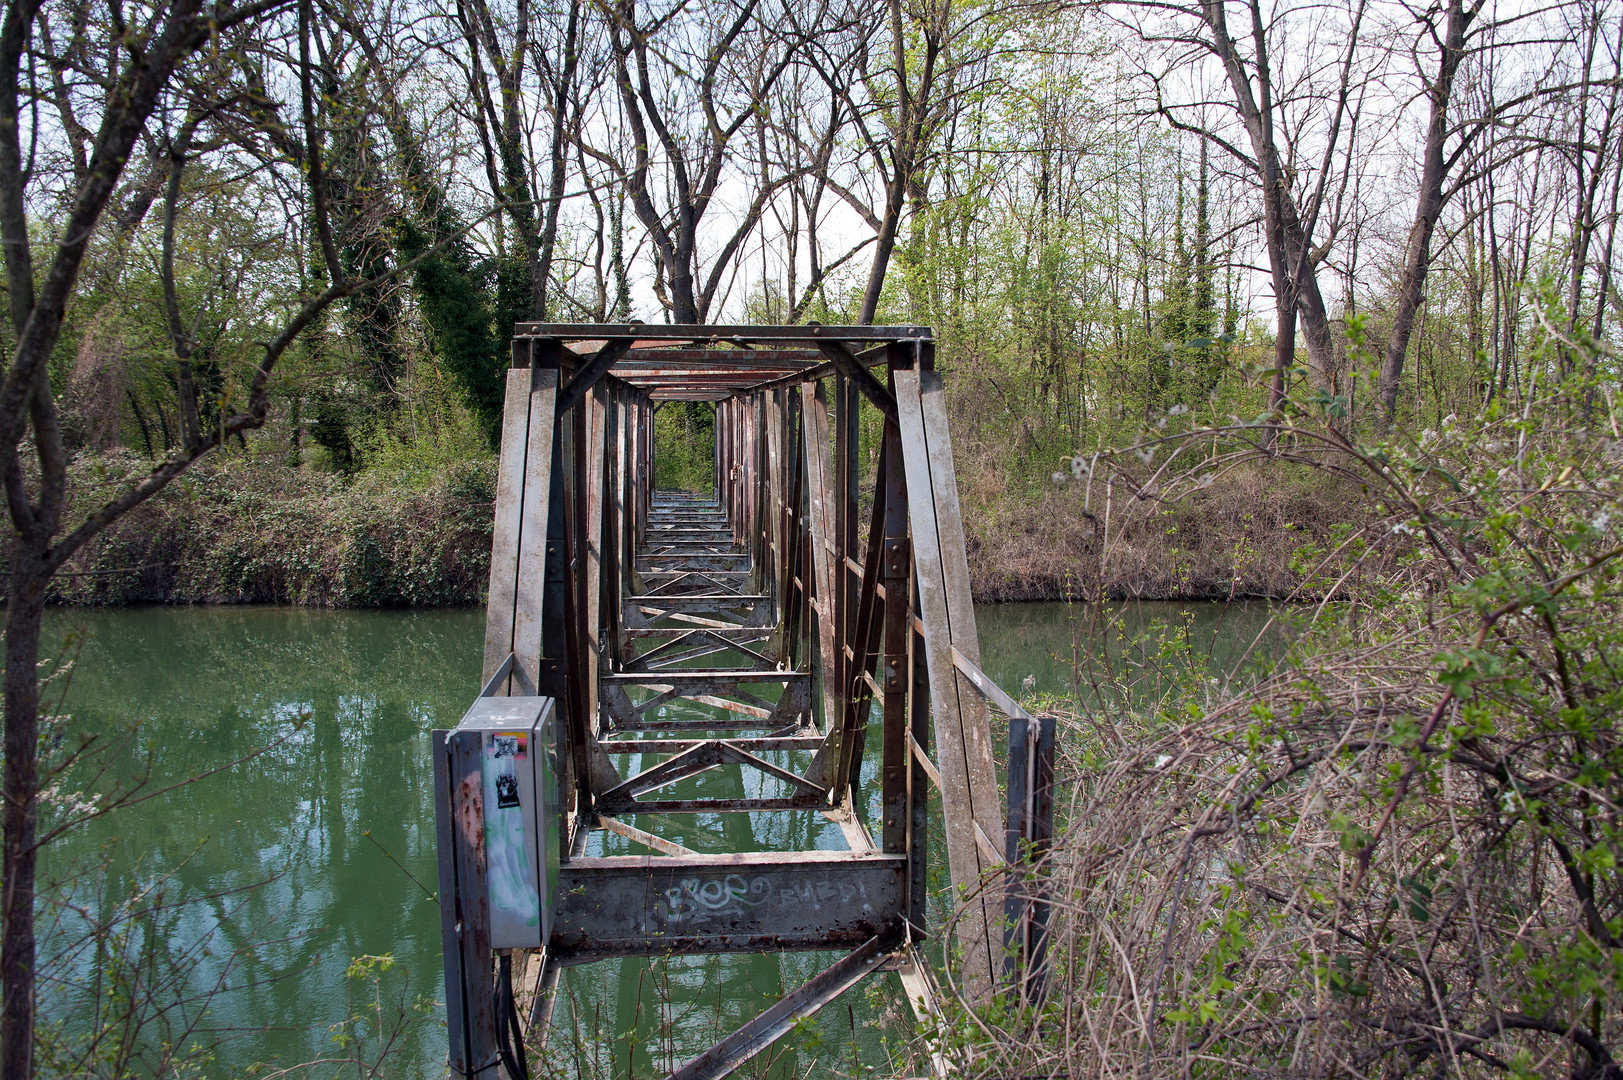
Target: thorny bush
[{"x": 1396, "y": 847}]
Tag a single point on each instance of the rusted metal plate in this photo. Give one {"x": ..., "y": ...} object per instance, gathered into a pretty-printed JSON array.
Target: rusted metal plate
[
  {"x": 632, "y": 905},
  {"x": 743, "y": 633},
  {"x": 694, "y": 379},
  {"x": 710, "y": 681},
  {"x": 760, "y": 744},
  {"x": 680, "y": 558},
  {"x": 743, "y": 805},
  {"x": 743, "y": 721},
  {"x": 662, "y": 544},
  {"x": 795, "y": 359}
]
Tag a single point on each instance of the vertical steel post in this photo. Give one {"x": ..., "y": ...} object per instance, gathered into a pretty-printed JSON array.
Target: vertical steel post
[
  {"x": 847, "y": 584},
  {"x": 610, "y": 544},
  {"x": 459, "y": 820},
  {"x": 918, "y": 780},
  {"x": 897, "y": 570},
  {"x": 1028, "y": 837}
]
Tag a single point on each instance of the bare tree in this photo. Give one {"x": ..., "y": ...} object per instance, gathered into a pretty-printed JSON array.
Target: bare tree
[
  {"x": 146, "y": 66},
  {"x": 513, "y": 58},
  {"x": 807, "y": 140},
  {"x": 1436, "y": 158},
  {"x": 901, "y": 80},
  {"x": 688, "y": 90},
  {"x": 1298, "y": 116},
  {"x": 1595, "y": 155}
]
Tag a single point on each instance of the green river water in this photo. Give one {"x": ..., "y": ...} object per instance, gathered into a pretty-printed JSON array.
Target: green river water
[{"x": 278, "y": 872}]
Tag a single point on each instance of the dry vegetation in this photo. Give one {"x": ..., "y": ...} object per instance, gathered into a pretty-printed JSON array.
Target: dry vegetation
[
  {"x": 1237, "y": 538},
  {"x": 1396, "y": 850}
]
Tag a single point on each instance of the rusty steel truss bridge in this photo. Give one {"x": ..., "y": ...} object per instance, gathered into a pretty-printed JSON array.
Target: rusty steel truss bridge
[{"x": 757, "y": 630}]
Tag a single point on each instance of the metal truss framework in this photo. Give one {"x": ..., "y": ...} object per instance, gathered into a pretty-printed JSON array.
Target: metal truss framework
[{"x": 778, "y": 608}]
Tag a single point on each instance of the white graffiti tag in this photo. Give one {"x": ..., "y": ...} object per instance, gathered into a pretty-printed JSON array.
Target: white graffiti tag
[{"x": 694, "y": 899}]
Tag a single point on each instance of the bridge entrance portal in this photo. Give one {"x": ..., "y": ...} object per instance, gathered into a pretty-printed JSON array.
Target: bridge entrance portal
[{"x": 637, "y": 637}]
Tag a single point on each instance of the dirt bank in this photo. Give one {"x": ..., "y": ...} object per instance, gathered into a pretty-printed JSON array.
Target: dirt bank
[
  {"x": 1235, "y": 538},
  {"x": 239, "y": 532}
]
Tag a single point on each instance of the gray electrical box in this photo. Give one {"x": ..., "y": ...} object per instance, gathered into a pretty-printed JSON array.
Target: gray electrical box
[{"x": 518, "y": 758}]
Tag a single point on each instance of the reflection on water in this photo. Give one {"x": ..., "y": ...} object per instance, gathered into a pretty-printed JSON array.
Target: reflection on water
[
  {"x": 344, "y": 701},
  {"x": 321, "y": 834},
  {"x": 1072, "y": 650}
]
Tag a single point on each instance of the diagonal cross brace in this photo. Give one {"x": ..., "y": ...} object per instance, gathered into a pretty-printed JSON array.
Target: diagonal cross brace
[
  {"x": 701, "y": 758},
  {"x": 780, "y": 1019},
  {"x": 846, "y": 362},
  {"x": 587, "y": 375},
  {"x": 744, "y": 757}
]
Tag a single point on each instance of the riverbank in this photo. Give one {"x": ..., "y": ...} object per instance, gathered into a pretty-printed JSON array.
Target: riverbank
[
  {"x": 1237, "y": 538},
  {"x": 241, "y": 531},
  {"x": 237, "y": 531}
]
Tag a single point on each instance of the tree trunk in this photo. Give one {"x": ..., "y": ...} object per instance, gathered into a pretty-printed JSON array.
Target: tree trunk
[
  {"x": 1284, "y": 353},
  {"x": 25, "y": 609},
  {"x": 560, "y": 154},
  {"x": 1428, "y": 207},
  {"x": 1292, "y": 263},
  {"x": 882, "y": 249}
]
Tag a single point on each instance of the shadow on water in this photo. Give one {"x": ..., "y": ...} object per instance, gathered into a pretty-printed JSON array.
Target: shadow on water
[{"x": 345, "y": 701}]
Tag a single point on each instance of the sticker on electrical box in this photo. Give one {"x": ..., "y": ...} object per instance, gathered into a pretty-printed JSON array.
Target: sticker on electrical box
[
  {"x": 507, "y": 746},
  {"x": 506, "y": 751}
]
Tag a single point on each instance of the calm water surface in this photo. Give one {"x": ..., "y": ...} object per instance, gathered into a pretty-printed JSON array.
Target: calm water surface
[{"x": 302, "y": 859}]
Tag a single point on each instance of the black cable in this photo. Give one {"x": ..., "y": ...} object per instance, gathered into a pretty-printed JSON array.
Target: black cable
[
  {"x": 508, "y": 1031},
  {"x": 518, "y": 1035}
]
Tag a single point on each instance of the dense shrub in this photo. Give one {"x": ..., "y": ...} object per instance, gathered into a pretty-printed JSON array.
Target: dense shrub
[
  {"x": 238, "y": 531},
  {"x": 1399, "y": 849}
]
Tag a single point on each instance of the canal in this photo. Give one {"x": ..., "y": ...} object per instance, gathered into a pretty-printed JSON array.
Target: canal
[{"x": 269, "y": 890}]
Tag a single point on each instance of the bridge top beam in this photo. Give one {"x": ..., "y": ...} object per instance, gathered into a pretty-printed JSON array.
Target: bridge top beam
[
  {"x": 700, "y": 333},
  {"x": 689, "y": 362}
]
